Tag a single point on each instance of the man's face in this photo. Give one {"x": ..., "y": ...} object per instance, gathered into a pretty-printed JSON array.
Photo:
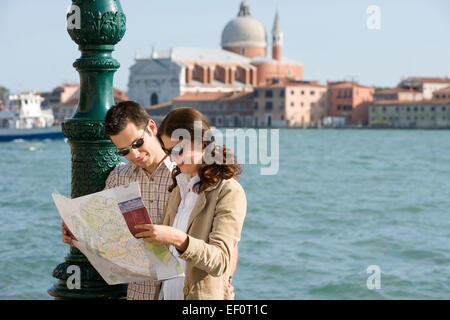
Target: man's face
[{"x": 145, "y": 155}]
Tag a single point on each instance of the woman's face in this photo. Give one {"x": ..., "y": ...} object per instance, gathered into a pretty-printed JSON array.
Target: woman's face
[{"x": 186, "y": 154}]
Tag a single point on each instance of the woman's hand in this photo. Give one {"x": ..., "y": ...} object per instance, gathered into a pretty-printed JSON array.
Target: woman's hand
[{"x": 161, "y": 235}]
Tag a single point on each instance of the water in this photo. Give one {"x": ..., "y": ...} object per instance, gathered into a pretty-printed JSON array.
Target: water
[{"x": 343, "y": 200}]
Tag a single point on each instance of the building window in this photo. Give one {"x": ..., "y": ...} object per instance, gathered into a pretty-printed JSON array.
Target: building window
[
  {"x": 303, "y": 92},
  {"x": 154, "y": 99},
  {"x": 255, "y": 106},
  {"x": 292, "y": 104},
  {"x": 313, "y": 92},
  {"x": 269, "y": 93},
  {"x": 384, "y": 109},
  {"x": 432, "y": 108},
  {"x": 407, "y": 109},
  {"x": 443, "y": 108},
  {"x": 237, "y": 121},
  {"x": 282, "y": 93},
  {"x": 415, "y": 109},
  {"x": 255, "y": 93},
  {"x": 281, "y": 105},
  {"x": 292, "y": 92},
  {"x": 338, "y": 107},
  {"x": 269, "y": 105},
  {"x": 243, "y": 51}
]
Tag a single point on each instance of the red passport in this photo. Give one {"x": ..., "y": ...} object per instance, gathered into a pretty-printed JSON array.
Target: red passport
[{"x": 134, "y": 213}]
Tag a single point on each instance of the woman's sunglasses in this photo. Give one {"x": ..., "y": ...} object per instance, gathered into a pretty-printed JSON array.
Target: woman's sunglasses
[
  {"x": 176, "y": 151},
  {"x": 136, "y": 144}
]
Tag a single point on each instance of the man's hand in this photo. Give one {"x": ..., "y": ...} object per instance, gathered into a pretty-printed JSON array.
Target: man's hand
[{"x": 66, "y": 238}]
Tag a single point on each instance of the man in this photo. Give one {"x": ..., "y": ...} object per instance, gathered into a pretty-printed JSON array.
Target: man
[
  {"x": 132, "y": 131},
  {"x": 134, "y": 134}
]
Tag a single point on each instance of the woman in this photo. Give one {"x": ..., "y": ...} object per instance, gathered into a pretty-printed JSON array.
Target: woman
[{"x": 205, "y": 212}]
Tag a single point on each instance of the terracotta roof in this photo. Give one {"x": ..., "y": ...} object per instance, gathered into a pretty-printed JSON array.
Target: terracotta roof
[
  {"x": 211, "y": 96},
  {"x": 292, "y": 83},
  {"x": 120, "y": 96},
  {"x": 61, "y": 88},
  {"x": 345, "y": 84},
  {"x": 433, "y": 80},
  {"x": 443, "y": 90},
  {"x": 396, "y": 90},
  {"x": 159, "y": 106}
]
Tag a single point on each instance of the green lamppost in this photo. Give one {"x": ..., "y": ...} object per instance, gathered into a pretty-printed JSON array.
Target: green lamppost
[{"x": 96, "y": 26}]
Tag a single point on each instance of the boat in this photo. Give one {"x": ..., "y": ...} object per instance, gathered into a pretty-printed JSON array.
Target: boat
[{"x": 24, "y": 119}]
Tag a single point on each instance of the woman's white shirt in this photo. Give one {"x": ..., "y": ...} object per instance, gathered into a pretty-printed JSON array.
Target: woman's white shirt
[{"x": 173, "y": 289}]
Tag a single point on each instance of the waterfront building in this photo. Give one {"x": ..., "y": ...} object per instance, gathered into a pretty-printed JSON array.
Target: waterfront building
[
  {"x": 231, "y": 109},
  {"x": 398, "y": 94},
  {"x": 425, "y": 114},
  {"x": 442, "y": 94},
  {"x": 222, "y": 109},
  {"x": 425, "y": 85},
  {"x": 64, "y": 100},
  {"x": 349, "y": 101},
  {"x": 166, "y": 75},
  {"x": 59, "y": 94},
  {"x": 290, "y": 103},
  {"x": 238, "y": 66}
]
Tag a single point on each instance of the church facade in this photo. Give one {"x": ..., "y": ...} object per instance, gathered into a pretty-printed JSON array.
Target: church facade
[{"x": 240, "y": 65}]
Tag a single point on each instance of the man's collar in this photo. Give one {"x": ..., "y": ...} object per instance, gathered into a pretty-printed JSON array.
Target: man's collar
[{"x": 165, "y": 162}]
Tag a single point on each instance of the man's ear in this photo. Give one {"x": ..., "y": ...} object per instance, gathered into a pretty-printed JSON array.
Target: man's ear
[{"x": 152, "y": 127}]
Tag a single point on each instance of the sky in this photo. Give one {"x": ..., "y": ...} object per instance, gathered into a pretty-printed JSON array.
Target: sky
[{"x": 330, "y": 38}]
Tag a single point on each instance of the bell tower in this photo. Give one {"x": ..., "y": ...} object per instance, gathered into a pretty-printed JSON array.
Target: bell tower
[{"x": 277, "y": 39}]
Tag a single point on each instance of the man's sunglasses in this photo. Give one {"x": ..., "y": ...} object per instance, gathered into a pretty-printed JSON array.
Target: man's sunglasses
[{"x": 136, "y": 144}]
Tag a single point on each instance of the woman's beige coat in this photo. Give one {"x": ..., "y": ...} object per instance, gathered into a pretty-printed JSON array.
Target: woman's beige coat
[{"x": 214, "y": 229}]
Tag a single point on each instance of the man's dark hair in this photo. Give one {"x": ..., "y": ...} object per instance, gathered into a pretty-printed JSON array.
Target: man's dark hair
[{"x": 121, "y": 114}]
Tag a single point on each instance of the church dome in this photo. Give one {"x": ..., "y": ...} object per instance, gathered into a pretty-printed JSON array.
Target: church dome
[{"x": 244, "y": 30}]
